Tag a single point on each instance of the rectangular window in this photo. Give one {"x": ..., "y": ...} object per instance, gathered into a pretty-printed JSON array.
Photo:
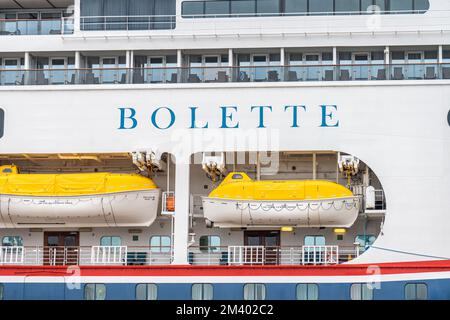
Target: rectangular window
[
  {"x": 146, "y": 291},
  {"x": 94, "y": 291},
  {"x": 202, "y": 291},
  {"x": 347, "y": 6},
  {"x": 321, "y": 7},
  {"x": 361, "y": 291},
  {"x": 243, "y": 7},
  {"x": 268, "y": 7},
  {"x": 254, "y": 291},
  {"x": 160, "y": 244},
  {"x": 219, "y": 8},
  {"x": 2, "y": 291},
  {"x": 400, "y": 6},
  {"x": 416, "y": 291},
  {"x": 12, "y": 241},
  {"x": 296, "y": 7},
  {"x": 307, "y": 291},
  {"x": 111, "y": 241},
  {"x": 209, "y": 244},
  {"x": 193, "y": 8}
]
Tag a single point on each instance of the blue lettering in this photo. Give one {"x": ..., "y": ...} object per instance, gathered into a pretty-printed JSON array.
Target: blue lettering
[
  {"x": 261, "y": 114},
  {"x": 172, "y": 118},
  {"x": 193, "y": 116},
  {"x": 226, "y": 116},
  {"x": 124, "y": 117},
  {"x": 294, "y": 114},
  {"x": 328, "y": 116}
]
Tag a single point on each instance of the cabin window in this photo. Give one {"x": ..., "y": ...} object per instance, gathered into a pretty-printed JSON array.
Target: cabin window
[
  {"x": 217, "y": 8},
  {"x": 202, "y": 291},
  {"x": 12, "y": 241},
  {"x": 7, "y": 170},
  {"x": 146, "y": 291},
  {"x": 114, "y": 241},
  {"x": 307, "y": 291},
  {"x": 94, "y": 291},
  {"x": 2, "y": 290},
  {"x": 347, "y": 6},
  {"x": 296, "y": 6},
  {"x": 361, "y": 291},
  {"x": 416, "y": 291},
  {"x": 160, "y": 244},
  {"x": 314, "y": 241},
  {"x": 321, "y": 7},
  {"x": 209, "y": 243},
  {"x": 254, "y": 291}
]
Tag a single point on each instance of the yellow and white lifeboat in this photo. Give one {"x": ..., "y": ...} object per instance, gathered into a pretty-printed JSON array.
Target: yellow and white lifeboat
[
  {"x": 76, "y": 200},
  {"x": 241, "y": 202}
]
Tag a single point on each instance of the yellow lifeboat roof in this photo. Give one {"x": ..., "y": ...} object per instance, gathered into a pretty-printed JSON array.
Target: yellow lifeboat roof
[
  {"x": 239, "y": 186},
  {"x": 69, "y": 184}
]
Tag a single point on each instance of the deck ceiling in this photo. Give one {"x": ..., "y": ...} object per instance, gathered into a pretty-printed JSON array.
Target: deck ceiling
[{"x": 34, "y": 4}]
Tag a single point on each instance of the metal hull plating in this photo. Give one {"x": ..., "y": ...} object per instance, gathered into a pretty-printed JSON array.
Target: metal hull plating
[
  {"x": 227, "y": 213},
  {"x": 136, "y": 208}
]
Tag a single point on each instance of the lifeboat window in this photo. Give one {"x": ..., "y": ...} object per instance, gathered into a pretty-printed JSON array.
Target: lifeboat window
[
  {"x": 12, "y": 241},
  {"x": 416, "y": 291},
  {"x": 160, "y": 244},
  {"x": 307, "y": 291},
  {"x": 7, "y": 170},
  {"x": 361, "y": 291},
  {"x": 254, "y": 291},
  {"x": 146, "y": 291},
  {"x": 2, "y": 289},
  {"x": 94, "y": 291},
  {"x": 237, "y": 176},
  {"x": 202, "y": 291},
  {"x": 209, "y": 243},
  {"x": 114, "y": 241}
]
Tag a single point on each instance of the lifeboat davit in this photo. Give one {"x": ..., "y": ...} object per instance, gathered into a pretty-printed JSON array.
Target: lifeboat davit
[
  {"x": 76, "y": 200},
  {"x": 241, "y": 202}
]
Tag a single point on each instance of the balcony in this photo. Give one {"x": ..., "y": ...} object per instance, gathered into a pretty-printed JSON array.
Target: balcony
[
  {"x": 94, "y": 255},
  {"x": 309, "y": 73},
  {"x": 128, "y": 23},
  {"x": 49, "y": 26},
  {"x": 279, "y": 255}
]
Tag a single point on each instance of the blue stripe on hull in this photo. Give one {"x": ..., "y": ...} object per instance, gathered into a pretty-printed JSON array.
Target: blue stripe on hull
[{"x": 437, "y": 290}]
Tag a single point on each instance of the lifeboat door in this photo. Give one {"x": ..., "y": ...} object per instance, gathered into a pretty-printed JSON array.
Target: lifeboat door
[
  {"x": 61, "y": 248},
  {"x": 270, "y": 240}
]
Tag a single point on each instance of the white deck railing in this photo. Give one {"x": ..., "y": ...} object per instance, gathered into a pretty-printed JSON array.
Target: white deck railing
[
  {"x": 12, "y": 255},
  {"x": 241, "y": 255}
]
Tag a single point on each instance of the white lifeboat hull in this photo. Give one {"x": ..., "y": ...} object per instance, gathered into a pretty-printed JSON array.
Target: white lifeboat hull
[
  {"x": 123, "y": 209},
  {"x": 228, "y": 213}
]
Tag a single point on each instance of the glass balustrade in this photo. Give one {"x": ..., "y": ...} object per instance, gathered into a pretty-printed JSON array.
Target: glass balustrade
[
  {"x": 36, "y": 26},
  {"x": 244, "y": 73}
]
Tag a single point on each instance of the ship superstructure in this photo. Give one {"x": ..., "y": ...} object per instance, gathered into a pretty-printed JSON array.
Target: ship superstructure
[{"x": 330, "y": 118}]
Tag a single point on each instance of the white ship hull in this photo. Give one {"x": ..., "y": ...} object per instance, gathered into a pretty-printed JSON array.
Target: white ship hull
[
  {"x": 135, "y": 208},
  {"x": 226, "y": 213}
]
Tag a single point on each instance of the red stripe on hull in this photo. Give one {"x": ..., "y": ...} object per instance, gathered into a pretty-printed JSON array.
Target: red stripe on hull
[{"x": 231, "y": 271}]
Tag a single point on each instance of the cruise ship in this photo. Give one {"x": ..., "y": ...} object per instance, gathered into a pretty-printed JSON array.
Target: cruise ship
[{"x": 224, "y": 149}]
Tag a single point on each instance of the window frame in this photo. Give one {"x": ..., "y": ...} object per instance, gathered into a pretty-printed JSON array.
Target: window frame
[
  {"x": 210, "y": 248},
  {"x": 264, "y": 290},
  {"x": 194, "y": 285},
  {"x": 160, "y": 248},
  {"x": 415, "y": 284},
  {"x": 147, "y": 285},
  {"x": 361, "y": 285},
  {"x": 12, "y": 236},
  {"x": 307, "y": 286},
  {"x": 95, "y": 291},
  {"x": 110, "y": 245}
]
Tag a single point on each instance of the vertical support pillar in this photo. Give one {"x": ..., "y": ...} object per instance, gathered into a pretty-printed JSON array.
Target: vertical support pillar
[
  {"x": 181, "y": 225},
  {"x": 78, "y": 66},
  {"x": 387, "y": 62},
  {"x": 179, "y": 66},
  {"x": 440, "y": 61},
  {"x": 338, "y": 156},
  {"x": 283, "y": 64},
  {"x": 76, "y": 16},
  {"x": 258, "y": 166},
  {"x": 27, "y": 66},
  {"x": 335, "y": 62},
  {"x": 231, "y": 73}
]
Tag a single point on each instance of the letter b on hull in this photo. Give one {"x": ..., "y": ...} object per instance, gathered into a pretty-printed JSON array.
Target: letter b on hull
[{"x": 2, "y": 122}]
